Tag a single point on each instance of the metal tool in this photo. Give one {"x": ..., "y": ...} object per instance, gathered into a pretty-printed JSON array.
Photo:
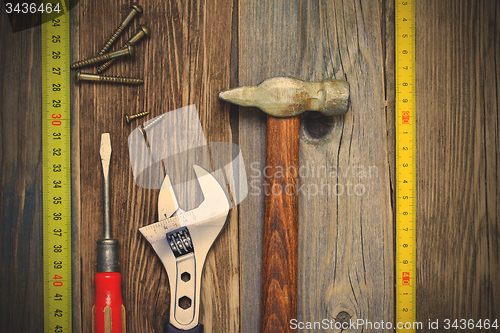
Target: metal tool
[
  {"x": 108, "y": 313},
  {"x": 285, "y": 98},
  {"x": 182, "y": 240}
]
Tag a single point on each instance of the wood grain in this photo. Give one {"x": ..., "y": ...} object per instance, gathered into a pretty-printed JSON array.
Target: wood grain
[
  {"x": 281, "y": 219},
  {"x": 266, "y": 37},
  {"x": 458, "y": 200},
  {"x": 345, "y": 240},
  {"x": 347, "y": 237},
  {"x": 185, "y": 61},
  {"x": 21, "y": 276},
  {"x": 188, "y": 59}
]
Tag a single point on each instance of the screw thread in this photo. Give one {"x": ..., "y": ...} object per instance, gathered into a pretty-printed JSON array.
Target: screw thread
[
  {"x": 104, "y": 67},
  {"x": 83, "y": 63},
  {"x": 137, "y": 37},
  {"x": 137, "y": 115},
  {"x": 102, "y": 58},
  {"x": 123, "y": 80},
  {"x": 140, "y": 114},
  {"x": 111, "y": 40}
]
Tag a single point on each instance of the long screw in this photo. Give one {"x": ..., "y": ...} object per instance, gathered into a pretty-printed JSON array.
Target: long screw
[
  {"x": 136, "y": 38},
  {"x": 103, "y": 78},
  {"x": 137, "y": 115},
  {"x": 135, "y": 10},
  {"x": 128, "y": 50}
]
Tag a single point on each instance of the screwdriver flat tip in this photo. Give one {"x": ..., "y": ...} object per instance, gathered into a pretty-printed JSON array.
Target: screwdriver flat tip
[{"x": 105, "y": 146}]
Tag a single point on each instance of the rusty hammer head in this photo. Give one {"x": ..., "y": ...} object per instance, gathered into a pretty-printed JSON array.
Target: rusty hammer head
[{"x": 287, "y": 97}]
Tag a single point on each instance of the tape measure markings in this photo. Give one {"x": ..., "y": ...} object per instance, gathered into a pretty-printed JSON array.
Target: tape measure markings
[
  {"x": 405, "y": 166},
  {"x": 56, "y": 169}
]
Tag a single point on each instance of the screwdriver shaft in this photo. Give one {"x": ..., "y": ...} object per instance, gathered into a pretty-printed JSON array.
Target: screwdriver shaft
[
  {"x": 105, "y": 160},
  {"x": 107, "y": 223},
  {"x": 108, "y": 313}
]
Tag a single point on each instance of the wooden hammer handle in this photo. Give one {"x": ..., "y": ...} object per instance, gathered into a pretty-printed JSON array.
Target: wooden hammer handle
[{"x": 280, "y": 239}]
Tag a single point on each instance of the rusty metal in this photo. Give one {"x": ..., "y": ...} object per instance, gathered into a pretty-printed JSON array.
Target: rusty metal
[
  {"x": 136, "y": 38},
  {"x": 79, "y": 76},
  {"x": 136, "y": 9},
  {"x": 287, "y": 97},
  {"x": 129, "y": 50}
]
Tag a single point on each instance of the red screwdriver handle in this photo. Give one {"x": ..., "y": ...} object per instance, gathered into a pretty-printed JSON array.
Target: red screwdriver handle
[{"x": 108, "y": 315}]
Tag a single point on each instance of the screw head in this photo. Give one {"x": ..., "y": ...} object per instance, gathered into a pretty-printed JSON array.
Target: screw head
[
  {"x": 136, "y": 6},
  {"x": 126, "y": 117},
  {"x": 131, "y": 49},
  {"x": 146, "y": 30},
  {"x": 77, "y": 76}
]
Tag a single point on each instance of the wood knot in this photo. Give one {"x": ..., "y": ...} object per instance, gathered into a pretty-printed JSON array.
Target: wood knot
[
  {"x": 317, "y": 125},
  {"x": 342, "y": 317}
]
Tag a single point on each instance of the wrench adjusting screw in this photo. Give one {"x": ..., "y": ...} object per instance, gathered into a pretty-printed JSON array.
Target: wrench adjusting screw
[{"x": 180, "y": 242}]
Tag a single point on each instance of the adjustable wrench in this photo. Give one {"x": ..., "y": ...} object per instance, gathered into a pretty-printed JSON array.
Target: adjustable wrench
[{"x": 182, "y": 240}]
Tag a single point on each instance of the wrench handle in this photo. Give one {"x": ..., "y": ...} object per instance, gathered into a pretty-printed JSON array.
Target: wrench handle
[
  {"x": 280, "y": 239},
  {"x": 171, "y": 329}
]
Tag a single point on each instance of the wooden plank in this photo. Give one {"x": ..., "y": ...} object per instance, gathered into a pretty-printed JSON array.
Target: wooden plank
[
  {"x": 252, "y": 125},
  {"x": 457, "y": 88},
  {"x": 185, "y": 61},
  {"x": 388, "y": 51},
  {"x": 458, "y": 200},
  {"x": 355, "y": 224},
  {"x": 345, "y": 262},
  {"x": 263, "y": 39},
  {"x": 21, "y": 276}
]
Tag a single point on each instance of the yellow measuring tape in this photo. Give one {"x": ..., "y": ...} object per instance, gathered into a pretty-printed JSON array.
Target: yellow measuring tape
[
  {"x": 405, "y": 167},
  {"x": 56, "y": 153}
]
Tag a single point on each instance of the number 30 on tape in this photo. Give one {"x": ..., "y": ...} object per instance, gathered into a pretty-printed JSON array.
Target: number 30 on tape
[{"x": 56, "y": 173}]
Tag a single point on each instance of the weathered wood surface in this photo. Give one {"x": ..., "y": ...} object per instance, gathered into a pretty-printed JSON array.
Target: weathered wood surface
[
  {"x": 21, "y": 288},
  {"x": 185, "y": 61},
  {"x": 345, "y": 251},
  {"x": 457, "y": 154},
  {"x": 458, "y": 151}
]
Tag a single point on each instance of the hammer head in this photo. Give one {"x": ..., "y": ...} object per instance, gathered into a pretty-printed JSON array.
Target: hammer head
[{"x": 287, "y": 97}]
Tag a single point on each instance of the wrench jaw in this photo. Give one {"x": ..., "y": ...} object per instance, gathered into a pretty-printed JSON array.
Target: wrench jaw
[{"x": 184, "y": 247}]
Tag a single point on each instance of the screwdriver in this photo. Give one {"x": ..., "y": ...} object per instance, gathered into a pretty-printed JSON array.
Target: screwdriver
[{"x": 108, "y": 313}]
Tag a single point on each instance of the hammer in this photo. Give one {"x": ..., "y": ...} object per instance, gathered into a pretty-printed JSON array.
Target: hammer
[{"x": 284, "y": 99}]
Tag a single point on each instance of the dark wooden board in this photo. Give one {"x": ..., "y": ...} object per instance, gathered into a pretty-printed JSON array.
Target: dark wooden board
[
  {"x": 345, "y": 240},
  {"x": 21, "y": 288},
  {"x": 198, "y": 49},
  {"x": 458, "y": 175},
  {"x": 185, "y": 61}
]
